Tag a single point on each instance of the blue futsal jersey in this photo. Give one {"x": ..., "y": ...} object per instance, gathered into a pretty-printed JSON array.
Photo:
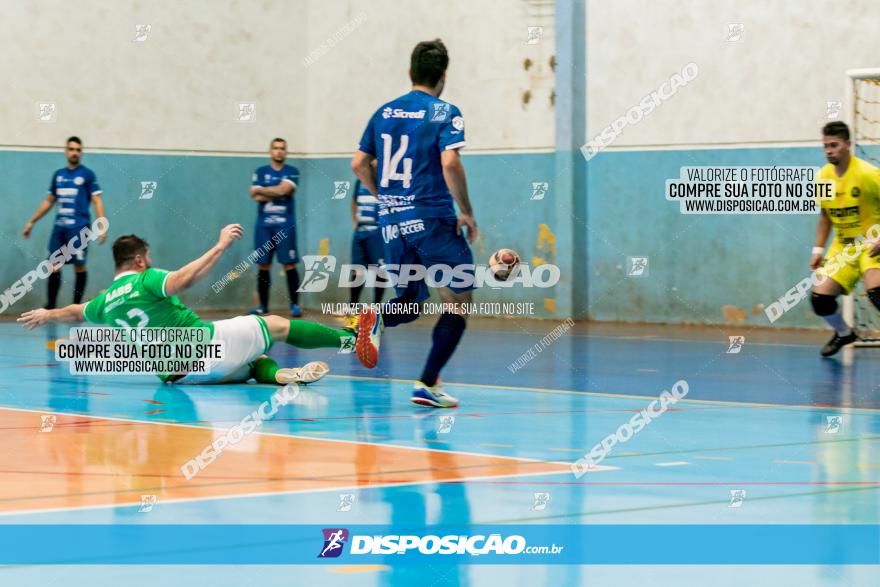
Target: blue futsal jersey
[
  {"x": 407, "y": 136},
  {"x": 367, "y": 208},
  {"x": 73, "y": 190},
  {"x": 279, "y": 211}
]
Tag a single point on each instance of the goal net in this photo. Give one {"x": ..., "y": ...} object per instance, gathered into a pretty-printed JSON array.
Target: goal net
[{"x": 862, "y": 112}]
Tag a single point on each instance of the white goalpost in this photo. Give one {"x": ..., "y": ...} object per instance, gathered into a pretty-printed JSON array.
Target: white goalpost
[{"x": 862, "y": 113}]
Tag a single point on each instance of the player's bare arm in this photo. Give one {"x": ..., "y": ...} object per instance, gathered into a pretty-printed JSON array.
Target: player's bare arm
[
  {"x": 282, "y": 190},
  {"x": 453, "y": 173},
  {"x": 361, "y": 165},
  {"x": 823, "y": 229},
  {"x": 98, "y": 202},
  {"x": 257, "y": 198},
  {"x": 354, "y": 212},
  {"x": 42, "y": 209},
  {"x": 193, "y": 272},
  {"x": 41, "y": 316}
]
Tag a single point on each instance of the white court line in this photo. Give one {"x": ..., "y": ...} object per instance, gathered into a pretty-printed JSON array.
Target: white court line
[
  {"x": 672, "y": 464},
  {"x": 292, "y": 491}
]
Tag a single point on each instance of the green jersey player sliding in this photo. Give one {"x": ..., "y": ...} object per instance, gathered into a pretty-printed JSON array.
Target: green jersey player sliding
[{"x": 142, "y": 296}]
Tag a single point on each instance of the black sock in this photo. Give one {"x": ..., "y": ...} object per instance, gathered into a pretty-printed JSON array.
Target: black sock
[
  {"x": 293, "y": 285},
  {"x": 404, "y": 312},
  {"x": 378, "y": 292},
  {"x": 79, "y": 286},
  {"x": 54, "y": 286},
  {"x": 447, "y": 333},
  {"x": 264, "y": 280},
  {"x": 356, "y": 293}
]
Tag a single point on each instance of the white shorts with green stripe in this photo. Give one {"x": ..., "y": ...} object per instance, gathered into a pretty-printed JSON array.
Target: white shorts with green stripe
[{"x": 244, "y": 339}]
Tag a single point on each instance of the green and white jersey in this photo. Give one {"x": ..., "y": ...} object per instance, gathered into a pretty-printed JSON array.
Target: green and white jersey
[{"x": 138, "y": 300}]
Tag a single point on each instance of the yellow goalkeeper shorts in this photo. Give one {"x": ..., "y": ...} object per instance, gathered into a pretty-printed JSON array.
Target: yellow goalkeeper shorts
[{"x": 846, "y": 264}]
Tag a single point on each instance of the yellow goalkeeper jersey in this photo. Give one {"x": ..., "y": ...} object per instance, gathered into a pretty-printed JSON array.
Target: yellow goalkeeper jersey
[{"x": 856, "y": 204}]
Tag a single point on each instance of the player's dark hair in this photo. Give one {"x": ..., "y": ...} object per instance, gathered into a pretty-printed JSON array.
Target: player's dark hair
[
  {"x": 429, "y": 61},
  {"x": 278, "y": 140},
  {"x": 74, "y": 139},
  {"x": 836, "y": 129},
  {"x": 127, "y": 247}
]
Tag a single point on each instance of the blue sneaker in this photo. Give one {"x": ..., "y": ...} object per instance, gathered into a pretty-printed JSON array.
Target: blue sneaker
[
  {"x": 295, "y": 311},
  {"x": 433, "y": 397},
  {"x": 258, "y": 311}
]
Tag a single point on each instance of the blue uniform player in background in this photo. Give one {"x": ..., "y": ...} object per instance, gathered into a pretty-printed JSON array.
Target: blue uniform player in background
[
  {"x": 72, "y": 190},
  {"x": 416, "y": 139},
  {"x": 366, "y": 244},
  {"x": 272, "y": 186}
]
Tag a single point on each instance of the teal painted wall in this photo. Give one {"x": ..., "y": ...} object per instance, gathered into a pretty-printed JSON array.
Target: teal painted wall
[
  {"x": 697, "y": 263},
  {"x": 196, "y": 196}
]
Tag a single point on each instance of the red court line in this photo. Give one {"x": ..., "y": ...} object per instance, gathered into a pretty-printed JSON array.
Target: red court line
[
  {"x": 36, "y": 365},
  {"x": 660, "y": 483},
  {"x": 478, "y": 414}
]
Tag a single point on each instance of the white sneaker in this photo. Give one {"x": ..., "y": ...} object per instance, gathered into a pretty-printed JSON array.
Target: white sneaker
[
  {"x": 433, "y": 397},
  {"x": 308, "y": 373}
]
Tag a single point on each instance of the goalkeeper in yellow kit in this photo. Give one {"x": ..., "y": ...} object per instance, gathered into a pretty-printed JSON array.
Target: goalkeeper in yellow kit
[{"x": 854, "y": 213}]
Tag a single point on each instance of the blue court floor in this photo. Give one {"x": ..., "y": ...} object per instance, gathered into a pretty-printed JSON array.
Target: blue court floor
[{"x": 794, "y": 436}]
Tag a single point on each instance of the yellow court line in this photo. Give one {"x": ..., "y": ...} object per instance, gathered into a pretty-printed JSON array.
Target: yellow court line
[{"x": 607, "y": 394}]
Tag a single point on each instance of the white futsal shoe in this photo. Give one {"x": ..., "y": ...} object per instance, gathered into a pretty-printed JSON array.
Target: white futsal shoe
[
  {"x": 308, "y": 373},
  {"x": 433, "y": 397}
]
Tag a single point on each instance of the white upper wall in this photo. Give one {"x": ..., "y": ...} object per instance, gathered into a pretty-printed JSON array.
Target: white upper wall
[
  {"x": 487, "y": 76},
  {"x": 770, "y": 86},
  {"x": 178, "y": 89}
]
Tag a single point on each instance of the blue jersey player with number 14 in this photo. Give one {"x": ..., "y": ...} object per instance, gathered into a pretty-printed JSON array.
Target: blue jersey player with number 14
[{"x": 415, "y": 140}]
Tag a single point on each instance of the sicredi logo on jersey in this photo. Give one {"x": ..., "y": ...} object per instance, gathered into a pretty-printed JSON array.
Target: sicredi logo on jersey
[{"x": 388, "y": 112}]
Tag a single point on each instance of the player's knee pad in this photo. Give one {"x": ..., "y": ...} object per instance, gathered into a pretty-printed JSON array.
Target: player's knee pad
[
  {"x": 874, "y": 296},
  {"x": 823, "y": 305}
]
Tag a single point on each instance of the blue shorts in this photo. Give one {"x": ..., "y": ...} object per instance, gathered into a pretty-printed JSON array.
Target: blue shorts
[
  {"x": 61, "y": 235},
  {"x": 427, "y": 242},
  {"x": 367, "y": 248},
  {"x": 271, "y": 239}
]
